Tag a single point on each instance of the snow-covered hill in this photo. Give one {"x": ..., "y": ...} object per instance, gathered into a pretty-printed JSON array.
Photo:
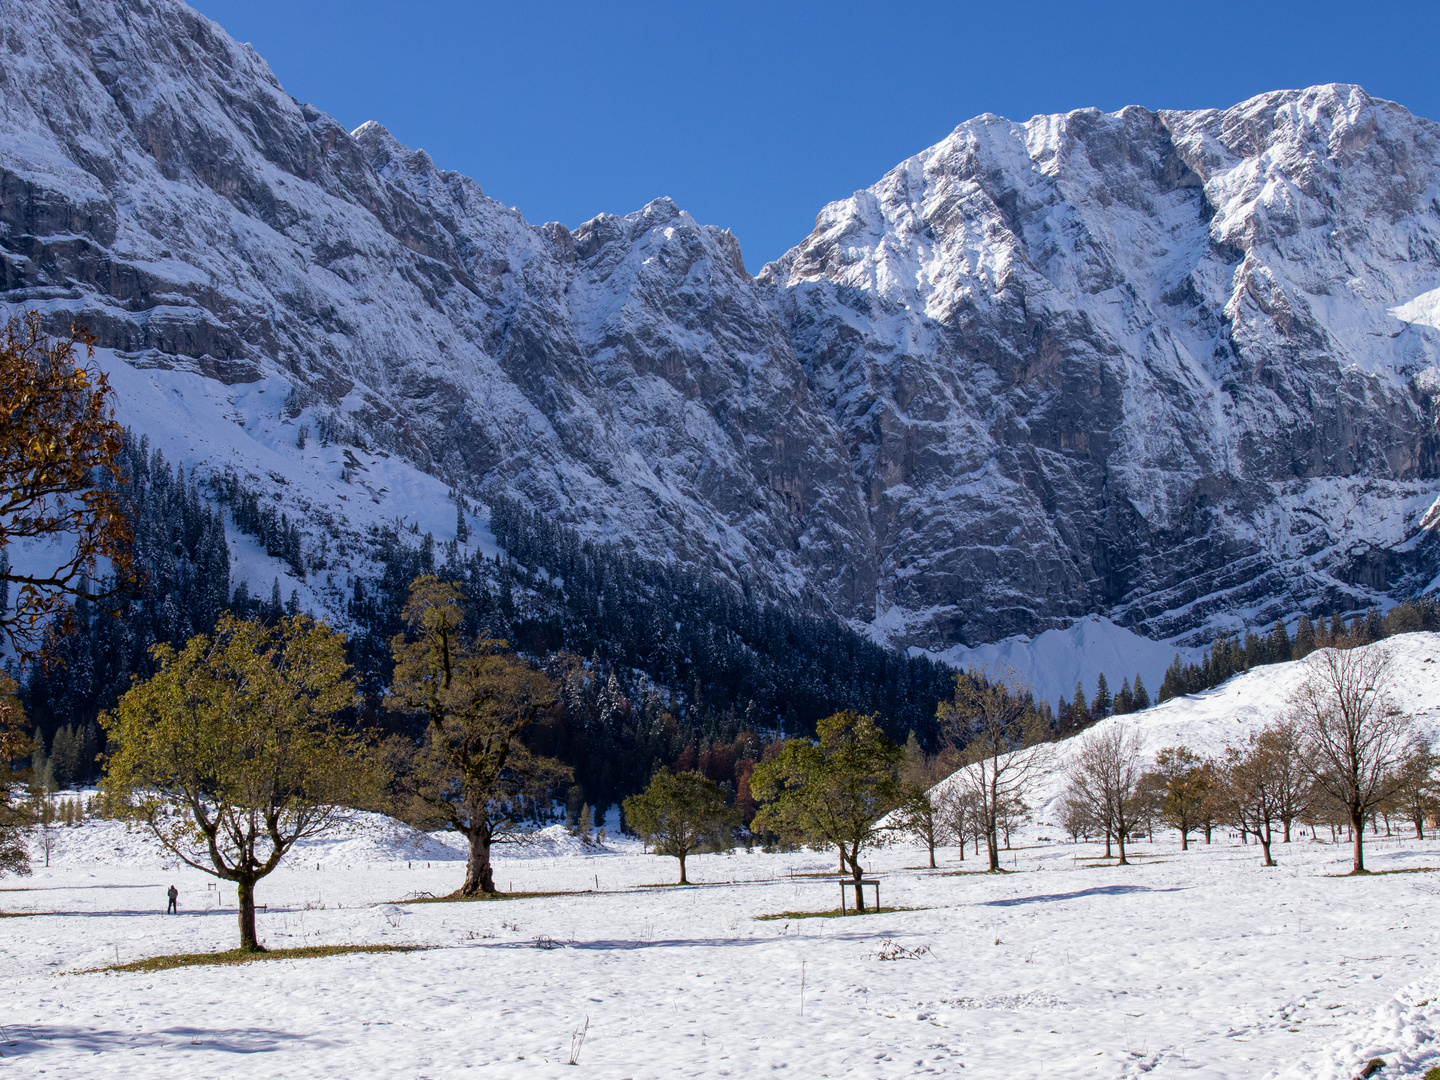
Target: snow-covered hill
[
  {"x": 1227, "y": 715},
  {"x": 1174, "y": 369}
]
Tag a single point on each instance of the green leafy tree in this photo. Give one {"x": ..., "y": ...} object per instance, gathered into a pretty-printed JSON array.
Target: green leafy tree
[
  {"x": 233, "y": 751},
  {"x": 680, "y": 814},
  {"x": 832, "y": 792},
  {"x": 472, "y": 773}
]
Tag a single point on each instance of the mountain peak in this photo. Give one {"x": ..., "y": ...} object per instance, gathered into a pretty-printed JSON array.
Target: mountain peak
[{"x": 1139, "y": 365}]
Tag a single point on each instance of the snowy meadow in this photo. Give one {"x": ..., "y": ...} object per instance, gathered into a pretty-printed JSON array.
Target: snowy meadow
[{"x": 1198, "y": 963}]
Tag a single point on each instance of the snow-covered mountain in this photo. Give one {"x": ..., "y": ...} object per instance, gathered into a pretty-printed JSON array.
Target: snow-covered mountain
[{"x": 1175, "y": 369}]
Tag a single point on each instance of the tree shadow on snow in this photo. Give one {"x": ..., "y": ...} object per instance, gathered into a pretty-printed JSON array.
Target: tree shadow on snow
[
  {"x": 1102, "y": 890},
  {"x": 155, "y": 912},
  {"x": 36, "y": 1038},
  {"x": 623, "y": 944}
]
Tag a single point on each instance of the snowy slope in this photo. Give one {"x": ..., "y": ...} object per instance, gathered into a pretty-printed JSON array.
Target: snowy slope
[
  {"x": 1228, "y": 714},
  {"x": 1176, "y": 369},
  {"x": 1051, "y": 663}
]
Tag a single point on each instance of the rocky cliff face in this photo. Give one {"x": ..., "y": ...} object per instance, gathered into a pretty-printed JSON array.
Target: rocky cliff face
[
  {"x": 1147, "y": 364},
  {"x": 1167, "y": 367}
]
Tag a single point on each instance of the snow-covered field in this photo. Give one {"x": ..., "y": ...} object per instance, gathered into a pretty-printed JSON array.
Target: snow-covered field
[{"x": 1196, "y": 964}]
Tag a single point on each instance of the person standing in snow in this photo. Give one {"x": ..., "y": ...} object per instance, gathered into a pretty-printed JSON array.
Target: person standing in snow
[{"x": 174, "y": 894}]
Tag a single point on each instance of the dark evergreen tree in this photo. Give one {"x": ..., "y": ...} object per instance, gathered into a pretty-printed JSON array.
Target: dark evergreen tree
[
  {"x": 1100, "y": 707},
  {"x": 1079, "y": 711},
  {"x": 1142, "y": 697},
  {"x": 1280, "y": 648},
  {"x": 1304, "y": 639},
  {"x": 1124, "y": 700}
]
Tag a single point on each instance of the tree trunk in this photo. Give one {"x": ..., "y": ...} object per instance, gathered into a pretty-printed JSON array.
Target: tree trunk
[
  {"x": 1357, "y": 836},
  {"x": 1184, "y": 840},
  {"x": 1286, "y": 823},
  {"x": 859, "y": 889},
  {"x": 683, "y": 880},
  {"x": 992, "y": 847},
  {"x": 932, "y": 850},
  {"x": 1262, "y": 837},
  {"x": 479, "y": 875},
  {"x": 1207, "y": 832},
  {"x": 1420, "y": 826},
  {"x": 245, "y": 891},
  {"x": 1107, "y": 843},
  {"x": 1120, "y": 840}
]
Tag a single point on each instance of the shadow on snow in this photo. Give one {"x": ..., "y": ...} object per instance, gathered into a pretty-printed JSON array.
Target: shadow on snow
[
  {"x": 1101, "y": 890},
  {"x": 34, "y": 1038}
]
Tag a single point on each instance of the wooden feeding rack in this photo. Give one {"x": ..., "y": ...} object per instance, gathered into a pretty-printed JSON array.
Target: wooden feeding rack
[{"x": 847, "y": 883}]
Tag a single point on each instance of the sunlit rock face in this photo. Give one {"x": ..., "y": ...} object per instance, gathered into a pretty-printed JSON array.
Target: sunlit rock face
[{"x": 1171, "y": 368}]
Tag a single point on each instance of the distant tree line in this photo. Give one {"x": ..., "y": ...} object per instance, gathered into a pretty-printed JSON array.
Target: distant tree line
[
  {"x": 1342, "y": 756},
  {"x": 1230, "y": 655}
]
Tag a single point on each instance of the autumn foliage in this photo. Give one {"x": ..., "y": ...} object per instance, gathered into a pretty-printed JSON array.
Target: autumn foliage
[{"x": 58, "y": 444}]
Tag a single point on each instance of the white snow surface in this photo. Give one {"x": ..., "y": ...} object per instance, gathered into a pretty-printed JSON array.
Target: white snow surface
[
  {"x": 1228, "y": 714},
  {"x": 1197, "y": 963},
  {"x": 1051, "y": 663}
]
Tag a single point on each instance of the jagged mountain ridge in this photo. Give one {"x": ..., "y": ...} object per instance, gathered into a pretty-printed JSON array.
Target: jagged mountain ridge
[{"x": 1137, "y": 364}]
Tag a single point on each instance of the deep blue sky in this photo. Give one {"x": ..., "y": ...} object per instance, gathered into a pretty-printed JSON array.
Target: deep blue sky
[{"x": 753, "y": 115}]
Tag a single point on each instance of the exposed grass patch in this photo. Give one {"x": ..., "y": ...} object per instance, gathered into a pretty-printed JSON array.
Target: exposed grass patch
[
  {"x": 236, "y": 956},
  {"x": 1380, "y": 873},
  {"x": 833, "y": 913},
  {"x": 819, "y": 873},
  {"x": 22, "y": 914},
  {"x": 681, "y": 885}
]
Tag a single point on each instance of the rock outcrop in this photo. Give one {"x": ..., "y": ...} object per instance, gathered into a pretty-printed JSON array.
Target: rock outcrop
[{"x": 1172, "y": 368}]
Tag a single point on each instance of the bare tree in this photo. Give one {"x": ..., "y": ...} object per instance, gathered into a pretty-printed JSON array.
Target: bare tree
[
  {"x": 1417, "y": 795},
  {"x": 1104, "y": 776},
  {"x": 921, "y": 816},
  {"x": 1010, "y": 815},
  {"x": 1353, "y": 738},
  {"x": 1293, "y": 790},
  {"x": 1258, "y": 781},
  {"x": 995, "y": 727},
  {"x": 956, "y": 812}
]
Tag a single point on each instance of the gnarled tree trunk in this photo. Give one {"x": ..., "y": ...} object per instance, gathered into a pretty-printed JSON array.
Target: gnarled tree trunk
[
  {"x": 479, "y": 874},
  {"x": 245, "y": 891}
]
